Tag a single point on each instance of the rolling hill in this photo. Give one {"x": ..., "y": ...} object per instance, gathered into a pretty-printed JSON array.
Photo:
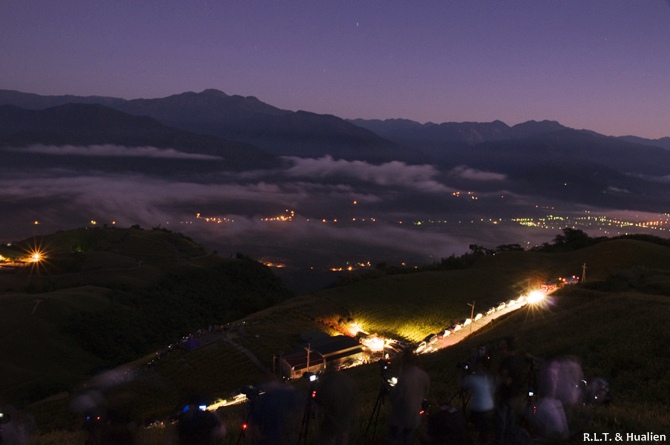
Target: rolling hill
[
  {"x": 614, "y": 323},
  {"x": 85, "y": 125},
  {"x": 102, "y": 297}
]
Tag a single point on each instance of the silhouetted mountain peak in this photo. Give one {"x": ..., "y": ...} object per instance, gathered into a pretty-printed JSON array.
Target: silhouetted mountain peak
[
  {"x": 532, "y": 128},
  {"x": 80, "y": 125},
  {"x": 662, "y": 142},
  {"x": 213, "y": 92}
]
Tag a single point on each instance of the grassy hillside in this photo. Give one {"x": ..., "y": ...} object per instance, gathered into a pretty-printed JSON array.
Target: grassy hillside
[
  {"x": 614, "y": 324},
  {"x": 620, "y": 336},
  {"x": 101, "y": 297}
]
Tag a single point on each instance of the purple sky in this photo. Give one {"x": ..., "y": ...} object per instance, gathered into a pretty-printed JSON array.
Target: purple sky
[{"x": 601, "y": 65}]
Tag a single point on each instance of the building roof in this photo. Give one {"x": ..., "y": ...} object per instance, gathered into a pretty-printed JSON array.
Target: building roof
[
  {"x": 298, "y": 360},
  {"x": 334, "y": 345},
  {"x": 328, "y": 348}
]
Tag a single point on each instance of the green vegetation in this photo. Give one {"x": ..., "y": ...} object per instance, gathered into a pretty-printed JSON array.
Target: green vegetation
[
  {"x": 614, "y": 323},
  {"x": 103, "y": 297},
  {"x": 136, "y": 323}
]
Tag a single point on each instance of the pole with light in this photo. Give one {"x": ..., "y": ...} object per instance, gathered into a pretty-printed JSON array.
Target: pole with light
[{"x": 472, "y": 314}]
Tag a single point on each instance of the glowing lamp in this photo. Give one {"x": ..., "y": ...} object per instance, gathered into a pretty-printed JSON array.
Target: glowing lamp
[
  {"x": 536, "y": 296},
  {"x": 375, "y": 344}
]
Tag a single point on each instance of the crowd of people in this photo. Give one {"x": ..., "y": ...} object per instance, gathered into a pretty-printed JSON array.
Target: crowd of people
[
  {"x": 496, "y": 406},
  {"x": 499, "y": 405}
]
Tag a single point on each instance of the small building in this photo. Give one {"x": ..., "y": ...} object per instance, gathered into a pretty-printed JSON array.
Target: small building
[
  {"x": 322, "y": 353},
  {"x": 294, "y": 365}
]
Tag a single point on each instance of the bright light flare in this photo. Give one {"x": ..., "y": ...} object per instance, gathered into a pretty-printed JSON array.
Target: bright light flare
[
  {"x": 35, "y": 256},
  {"x": 354, "y": 328},
  {"x": 536, "y": 297},
  {"x": 236, "y": 400},
  {"x": 374, "y": 343}
]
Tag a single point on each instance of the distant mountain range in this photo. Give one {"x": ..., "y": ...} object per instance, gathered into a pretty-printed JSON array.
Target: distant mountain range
[
  {"x": 662, "y": 142},
  {"x": 78, "y": 124},
  {"x": 242, "y": 119},
  {"x": 543, "y": 156},
  {"x": 430, "y": 135},
  {"x": 546, "y": 157}
]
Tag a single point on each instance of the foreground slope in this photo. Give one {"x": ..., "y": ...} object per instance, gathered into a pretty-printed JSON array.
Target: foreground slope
[
  {"x": 101, "y": 297},
  {"x": 614, "y": 323}
]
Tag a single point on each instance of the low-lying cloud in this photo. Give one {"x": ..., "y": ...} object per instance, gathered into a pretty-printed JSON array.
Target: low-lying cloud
[
  {"x": 114, "y": 151},
  {"x": 465, "y": 172},
  {"x": 342, "y": 208},
  {"x": 395, "y": 173}
]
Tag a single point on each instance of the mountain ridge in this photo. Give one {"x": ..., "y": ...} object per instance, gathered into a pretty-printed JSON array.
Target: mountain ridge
[
  {"x": 579, "y": 166},
  {"x": 36, "y": 101},
  {"x": 248, "y": 120},
  {"x": 79, "y": 124}
]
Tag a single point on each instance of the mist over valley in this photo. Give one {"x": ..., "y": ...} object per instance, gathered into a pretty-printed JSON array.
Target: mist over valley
[{"x": 312, "y": 193}]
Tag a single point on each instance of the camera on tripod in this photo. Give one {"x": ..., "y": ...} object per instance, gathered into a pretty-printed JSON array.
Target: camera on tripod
[
  {"x": 481, "y": 354},
  {"x": 311, "y": 377},
  {"x": 313, "y": 380},
  {"x": 384, "y": 370},
  {"x": 464, "y": 367}
]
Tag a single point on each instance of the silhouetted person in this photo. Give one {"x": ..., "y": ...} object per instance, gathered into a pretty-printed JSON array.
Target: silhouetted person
[
  {"x": 481, "y": 386},
  {"x": 95, "y": 425},
  {"x": 509, "y": 394},
  {"x": 337, "y": 398},
  {"x": 559, "y": 383},
  {"x": 275, "y": 414},
  {"x": 16, "y": 427},
  {"x": 198, "y": 426},
  {"x": 406, "y": 400},
  {"x": 549, "y": 420},
  {"x": 564, "y": 375},
  {"x": 446, "y": 426}
]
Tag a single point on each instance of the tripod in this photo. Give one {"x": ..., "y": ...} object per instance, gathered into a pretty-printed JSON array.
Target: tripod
[
  {"x": 244, "y": 427},
  {"x": 304, "y": 426},
  {"x": 531, "y": 378},
  {"x": 464, "y": 398},
  {"x": 383, "y": 391}
]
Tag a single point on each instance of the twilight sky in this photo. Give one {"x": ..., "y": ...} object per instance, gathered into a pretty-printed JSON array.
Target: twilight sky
[{"x": 601, "y": 65}]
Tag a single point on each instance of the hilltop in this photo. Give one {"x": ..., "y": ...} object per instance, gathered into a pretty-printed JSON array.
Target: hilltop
[
  {"x": 614, "y": 323},
  {"x": 100, "y": 297}
]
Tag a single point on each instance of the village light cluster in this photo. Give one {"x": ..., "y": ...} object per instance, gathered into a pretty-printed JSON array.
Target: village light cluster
[{"x": 33, "y": 256}]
